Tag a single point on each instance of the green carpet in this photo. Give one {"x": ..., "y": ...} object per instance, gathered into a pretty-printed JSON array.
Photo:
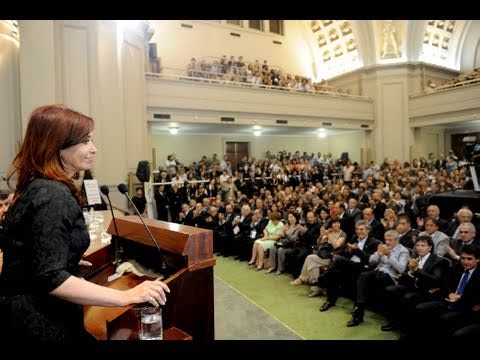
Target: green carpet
[
  {"x": 291, "y": 305},
  {"x": 237, "y": 318}
]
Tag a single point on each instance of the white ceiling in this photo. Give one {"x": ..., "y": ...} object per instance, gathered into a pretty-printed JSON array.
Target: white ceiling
[
  {"x": 246, "y": 130},
  {"x": 463, "y": 124}
]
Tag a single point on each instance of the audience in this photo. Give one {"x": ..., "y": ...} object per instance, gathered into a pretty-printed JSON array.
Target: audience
[{"x": 323, "y": 242}]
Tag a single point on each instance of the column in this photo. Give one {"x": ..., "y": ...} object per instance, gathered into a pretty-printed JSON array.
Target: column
[{"x": 10, "y": 123}]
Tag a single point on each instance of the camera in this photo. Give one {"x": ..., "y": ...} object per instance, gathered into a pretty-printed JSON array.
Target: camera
[
  {"x": 472, "y": 155},
  {"x": 472, "y": 149}
]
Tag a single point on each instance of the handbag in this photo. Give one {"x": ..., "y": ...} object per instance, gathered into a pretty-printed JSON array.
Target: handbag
[
  {"x": 324, "y": 251},
  {"x": 284, "y": 243}
]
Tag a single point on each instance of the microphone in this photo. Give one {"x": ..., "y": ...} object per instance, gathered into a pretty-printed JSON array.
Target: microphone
[
  {"x": 124, "y": 190},
  {"x": 104, "y": 189}
]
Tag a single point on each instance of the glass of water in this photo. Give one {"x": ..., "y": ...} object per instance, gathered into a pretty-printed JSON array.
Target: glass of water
[{"x": 151, "y": 326}]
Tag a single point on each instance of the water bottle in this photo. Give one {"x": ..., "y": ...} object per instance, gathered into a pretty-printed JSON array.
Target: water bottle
[
  {"x": 86, "y": 217},
  {"x": 91, "y": 215}
]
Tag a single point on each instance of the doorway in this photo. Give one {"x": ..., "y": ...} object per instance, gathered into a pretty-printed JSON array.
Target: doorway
[{"x": 236, "y": 150}]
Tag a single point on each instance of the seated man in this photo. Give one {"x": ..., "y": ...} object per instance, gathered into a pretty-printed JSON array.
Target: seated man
[
  {"x": 405, "y": 231},
  {"x": 423, "y": 282},
  {"x": 442, "y": 317},
  {"x": 346, "y": 267},
  {"x": 440, "y": 240},
  {"x": 390, "y": 260},
  {"x": 467, "y": 232}
]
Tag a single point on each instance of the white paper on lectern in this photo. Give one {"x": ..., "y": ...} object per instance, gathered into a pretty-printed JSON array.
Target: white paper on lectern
[{"x": 92, "y": 191}]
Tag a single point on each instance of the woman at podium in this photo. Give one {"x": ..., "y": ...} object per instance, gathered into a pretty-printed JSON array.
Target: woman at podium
[{"x": 44, "y": 236}]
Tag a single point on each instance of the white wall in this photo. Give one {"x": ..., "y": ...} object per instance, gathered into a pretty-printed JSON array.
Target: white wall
[
  {"x": 10, "y": 122},
  {"x": 177, "y": 44},
  {"x": 427, "y": 140},
  {"x": 470, "y": 51},
  {"x": 38, "y": 83},
  {"x": 189, "y": 148}
]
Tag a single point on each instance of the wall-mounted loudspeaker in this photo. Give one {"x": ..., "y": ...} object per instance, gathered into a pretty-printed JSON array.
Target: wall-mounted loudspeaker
[{"x": 143, "y": 171}]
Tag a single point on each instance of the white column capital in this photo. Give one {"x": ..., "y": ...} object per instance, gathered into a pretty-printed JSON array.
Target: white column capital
[{"x": 9, "y": 30}]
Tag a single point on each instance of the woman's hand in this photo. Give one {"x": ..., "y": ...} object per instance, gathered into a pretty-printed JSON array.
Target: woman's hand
[{"x": 148, "y": 291}]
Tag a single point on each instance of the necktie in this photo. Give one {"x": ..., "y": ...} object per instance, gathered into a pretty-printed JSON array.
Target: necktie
[{"x": 463, "y": 283}]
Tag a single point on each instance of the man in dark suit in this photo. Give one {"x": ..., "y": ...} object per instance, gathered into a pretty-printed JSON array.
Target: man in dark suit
[
  {"x": 407, "y": 234},
  {"x": 463, "y": 215},
  {"x": 467, "y": 234},
  {"x": 225, "y": 229},
  {"x": 441, "y": 318},
  {"x": 377, "y": 230},
  {"x": 424, "y": 280},
  {"x": 257, "y": 225},
  {"x": 240, "y": 183},
  {"x": 339, "y": 212},
  {"x": 252, "y": 187},
  {"x": 378, "y": 205},
  {"x": 264, "y": 182},
  {"x": 346, "y": 267},
  {"x": 433, "y": 212},
  {"x": 353, "y": 215},
  {"x": 241, "y": 230}
]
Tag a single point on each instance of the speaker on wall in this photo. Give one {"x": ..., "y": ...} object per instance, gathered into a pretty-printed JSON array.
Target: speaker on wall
[{"x": 143, "y": 170}]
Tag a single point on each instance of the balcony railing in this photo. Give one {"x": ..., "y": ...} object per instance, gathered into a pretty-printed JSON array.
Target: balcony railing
[
  {"x": 215, "y": 78},
  {"x": 441, "y": 88}
]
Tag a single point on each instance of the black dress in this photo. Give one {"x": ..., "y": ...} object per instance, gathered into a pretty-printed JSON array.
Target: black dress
[{"x": 43, "y": 240}]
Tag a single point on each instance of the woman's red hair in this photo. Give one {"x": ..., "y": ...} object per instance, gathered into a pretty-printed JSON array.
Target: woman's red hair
[{"x": 51, "y": 128}]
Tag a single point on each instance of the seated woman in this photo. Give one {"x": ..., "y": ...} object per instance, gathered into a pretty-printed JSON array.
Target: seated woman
[
  {"x": 272, "y": 233},
  {"x": 333, "y": 239},
  {"x": 291, "y": 232}
]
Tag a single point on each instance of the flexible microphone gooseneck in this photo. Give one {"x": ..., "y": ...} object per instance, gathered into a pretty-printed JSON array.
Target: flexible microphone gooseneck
[
  {"x": 105, "y": 191},
  {"x": 124, "y": 190}
]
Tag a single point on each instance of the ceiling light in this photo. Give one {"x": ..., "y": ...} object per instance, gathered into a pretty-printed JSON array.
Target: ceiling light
[
  {"x": 257, "y": 132},
  {"x": 173, "y": 130}
]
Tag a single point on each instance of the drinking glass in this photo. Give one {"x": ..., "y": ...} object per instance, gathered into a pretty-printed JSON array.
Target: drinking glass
[{"x": 151, "y": 326}]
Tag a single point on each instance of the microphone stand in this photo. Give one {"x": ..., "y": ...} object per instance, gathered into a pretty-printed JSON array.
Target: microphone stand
[
  {"x": 117, "y": 259},
  {"x": 163, "y": 265}
]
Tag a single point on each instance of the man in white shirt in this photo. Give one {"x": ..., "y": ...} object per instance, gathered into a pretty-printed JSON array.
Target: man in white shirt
[
  {"x": 346, "y": 268},
  {"x": 390, "y": 260}
]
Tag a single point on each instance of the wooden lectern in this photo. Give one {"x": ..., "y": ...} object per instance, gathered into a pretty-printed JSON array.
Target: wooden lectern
[{"x": 188, "y": 253}]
